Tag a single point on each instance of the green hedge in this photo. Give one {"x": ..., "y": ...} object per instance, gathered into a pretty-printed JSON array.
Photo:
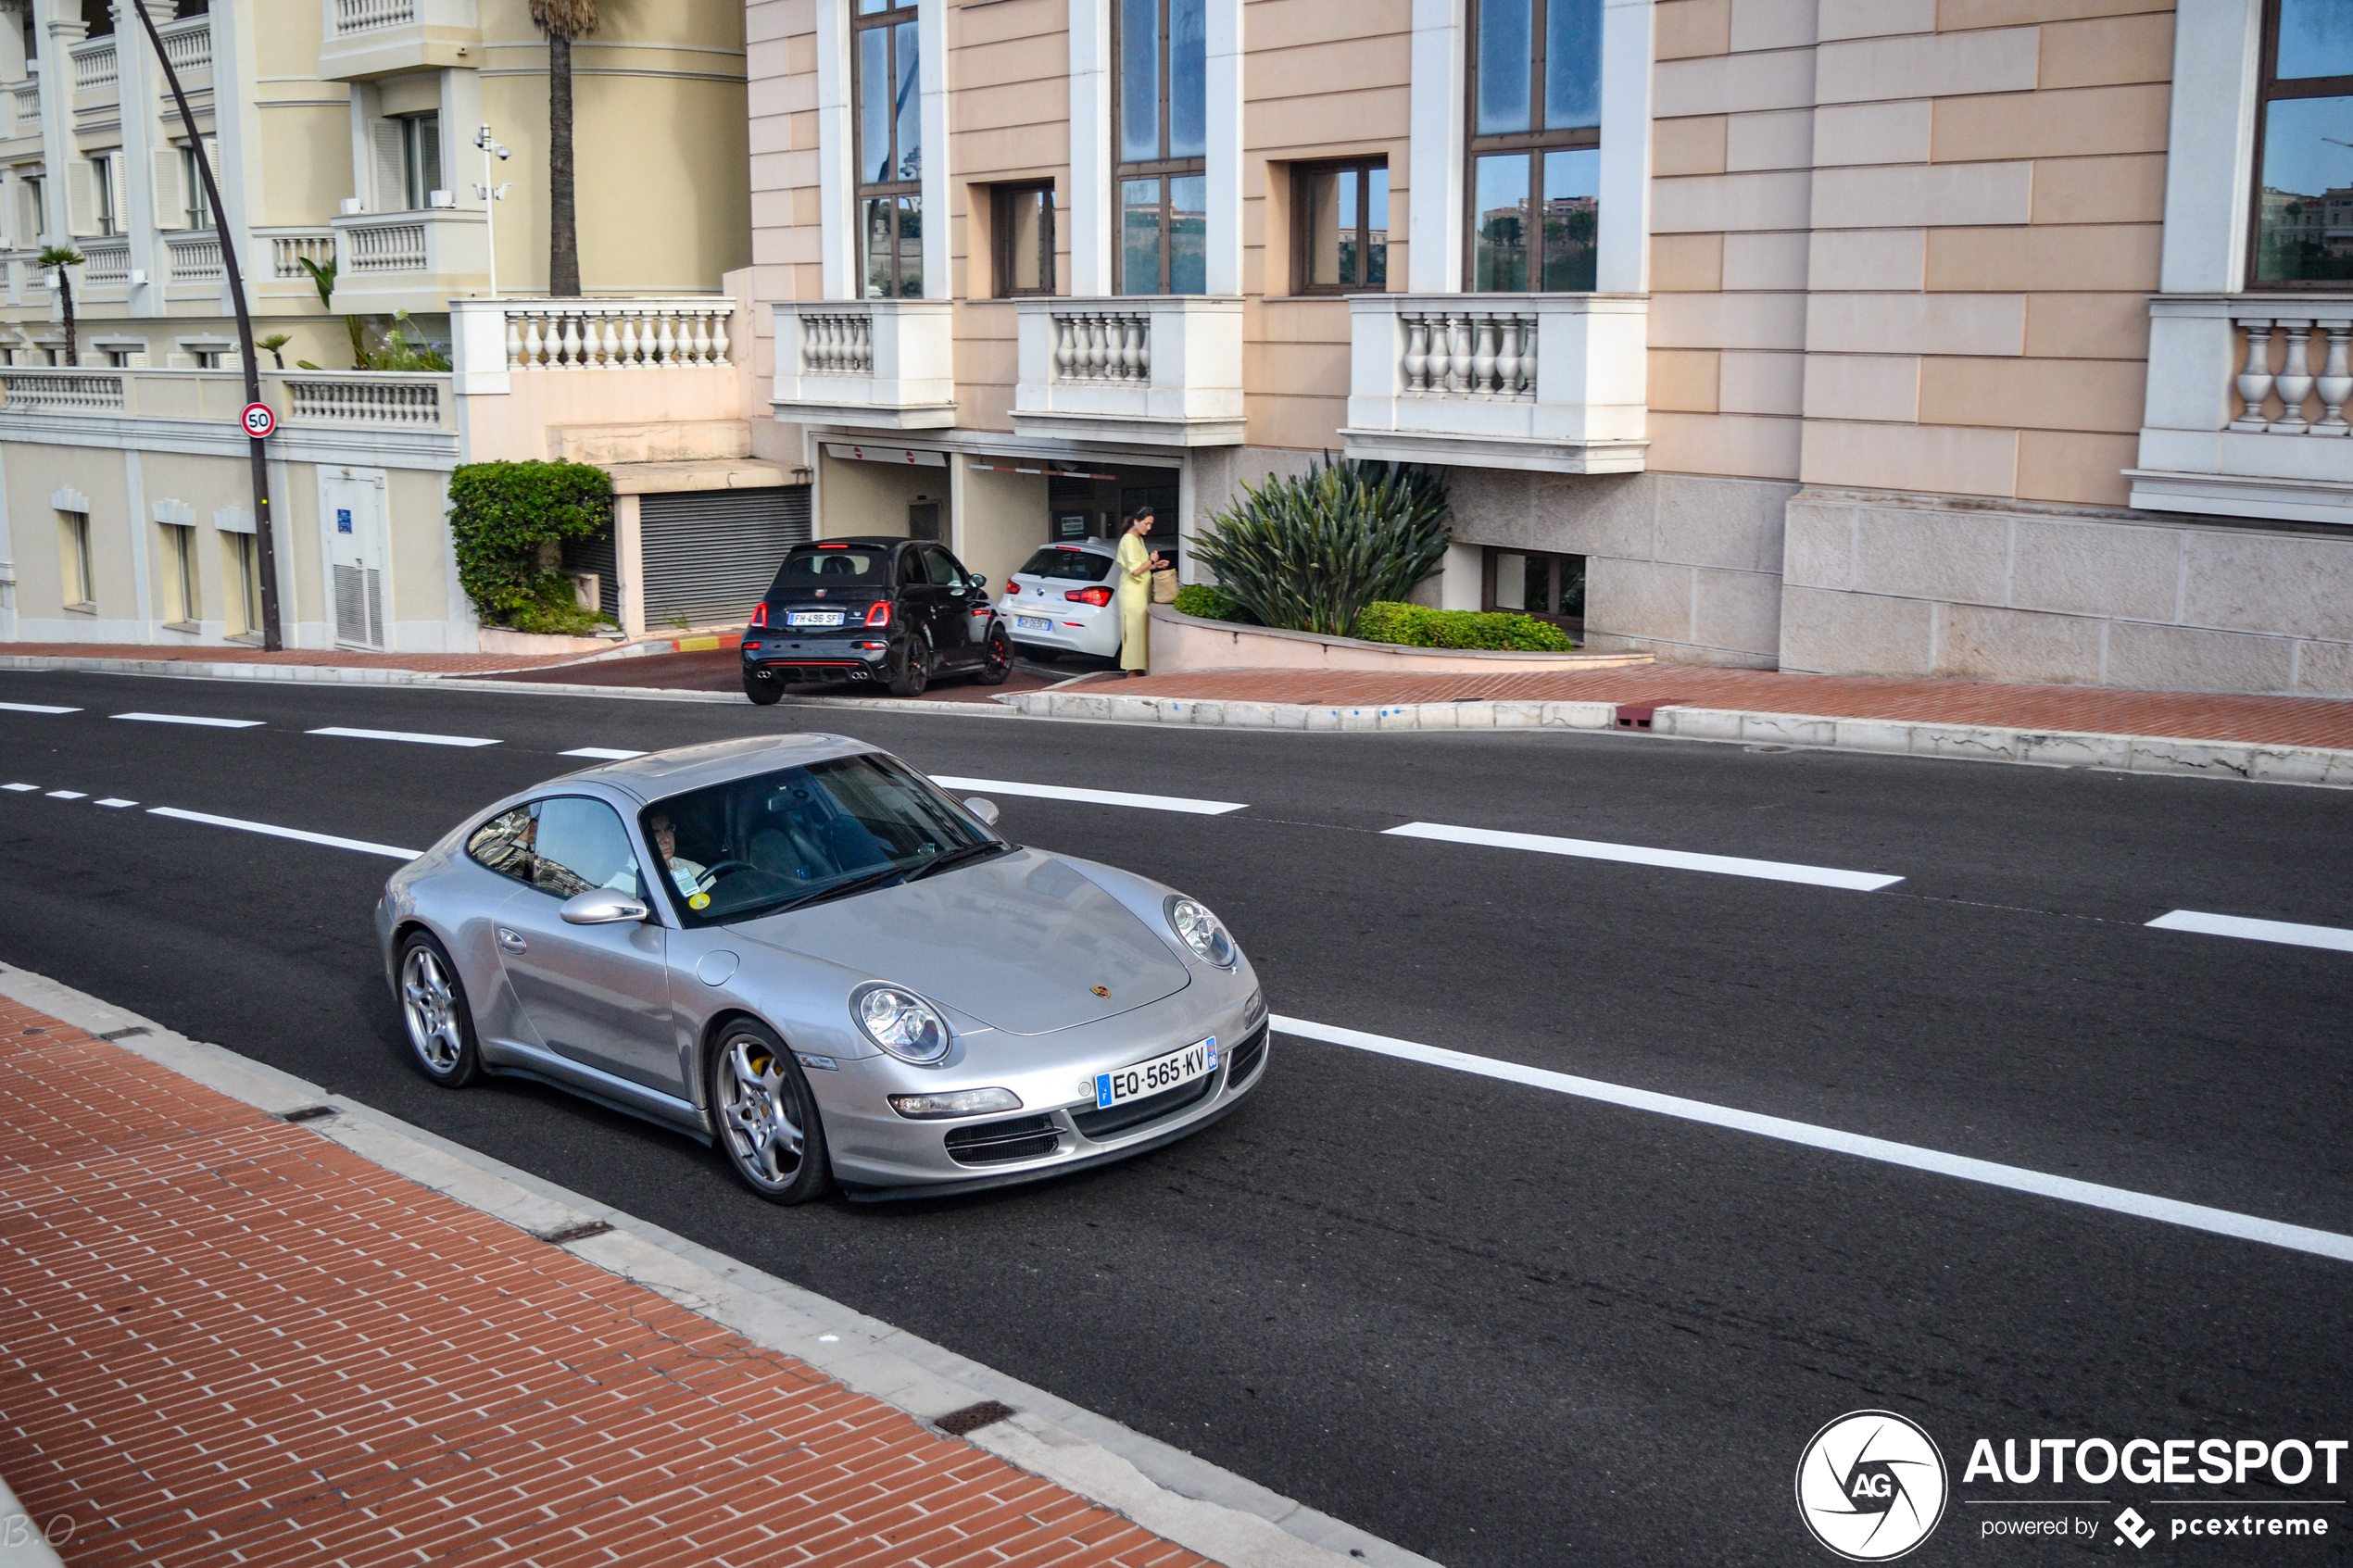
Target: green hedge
[
  {"x": 1421, "y": 627},
  {"x": 508, "y": 522},
  {"x": 1210, "y": 603}
]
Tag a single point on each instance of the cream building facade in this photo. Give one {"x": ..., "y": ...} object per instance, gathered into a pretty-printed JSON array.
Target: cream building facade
[
  {"x": 1990, "y": 338},
  {"x": 347, "y": 133}
]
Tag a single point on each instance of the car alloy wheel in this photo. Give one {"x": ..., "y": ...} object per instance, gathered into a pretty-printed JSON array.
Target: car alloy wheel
[
  {"x": 432, "y": 1004},
  {"x": 767, "y": 1122},
  {"x": 914, "y": 670},
  {"x": 998, "y": 660}
]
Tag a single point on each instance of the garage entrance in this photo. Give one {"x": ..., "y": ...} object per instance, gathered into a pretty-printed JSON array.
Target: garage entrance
[{"x": 708, "y": 556}]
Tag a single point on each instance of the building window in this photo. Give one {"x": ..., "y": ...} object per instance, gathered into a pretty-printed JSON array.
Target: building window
[
  {"x": 35, "y": 211},
  {"x": 2304, "y": 147},
  {"x": 1535, "y": 145},
  {"x": 887, "y": 85},
  {"x": 420, "y": 161},
  {"x": 1022, "y": 218},
  {"x": 113, "y": 204},
  {"x": 192, "y": 181},
  {"x": 73, "y": 555},
  {"x": 1160, "y": 112},
  {"x": 1550, "y": 587},
  {"x": 184, "y": 601},
  {"x": 245, "y": 596},
  {"x": 1339, "y": 241}
]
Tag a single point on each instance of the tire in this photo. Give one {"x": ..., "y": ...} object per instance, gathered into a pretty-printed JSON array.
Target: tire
[
  {"x": 1037, "y": 655},
  {"x": 915, "y": 673},
  {"x": 440, "y": 1025},
  {"x": 763, "y": 689},
  {"x": 997, "y": 657},
  {"x": 766, "y": 1117}
]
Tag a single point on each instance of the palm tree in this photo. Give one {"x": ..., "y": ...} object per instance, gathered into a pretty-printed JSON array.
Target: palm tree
[
  {"x": 60, "y": 259},
  {"x": 561, "y": 20}
]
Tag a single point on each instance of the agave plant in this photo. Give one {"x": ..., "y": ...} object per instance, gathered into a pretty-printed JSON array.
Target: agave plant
[{"x": 1309, "y": 553}]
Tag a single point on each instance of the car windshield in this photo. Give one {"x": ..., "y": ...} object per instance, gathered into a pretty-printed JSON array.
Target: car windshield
[
  {"x": 1075, "y": 566},
  {"x": 758, "y": 845},
  {"x": 837, "y": 566}
]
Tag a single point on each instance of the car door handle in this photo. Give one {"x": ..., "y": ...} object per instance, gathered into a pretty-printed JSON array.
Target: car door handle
[{"x": 509, "y": 941}]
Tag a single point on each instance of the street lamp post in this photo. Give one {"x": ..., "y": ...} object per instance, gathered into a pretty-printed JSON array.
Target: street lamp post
[{"x": 491, "y": 195}]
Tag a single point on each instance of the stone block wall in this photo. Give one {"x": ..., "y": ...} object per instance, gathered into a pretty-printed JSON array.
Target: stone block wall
[{"x": 1894, "y": 584}]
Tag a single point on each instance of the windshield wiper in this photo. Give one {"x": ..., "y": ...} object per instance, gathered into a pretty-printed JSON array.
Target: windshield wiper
[
  {"x": 953, "y": 858},
  {"x": 839, "y": 890}
]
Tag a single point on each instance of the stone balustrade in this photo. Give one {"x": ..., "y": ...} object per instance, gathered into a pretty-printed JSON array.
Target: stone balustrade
[
  {"x": 876, "y": 363},
  {"x": 391, "y": 397},
  {"x": 837, "y": 342},
  {"x": 1165, "y": 369},
  {"x": 2297, "y": 384},
  {"x": 365, "y": 15},
  {"x": 612, "y": 334},
  {"x": 1469, "y": 352},
  {"x": 1104, "y": 346},
  {"x": 187, "y": 43},
  {"x": 290, "y": 248},
  {"x": 77, "y": 392},
  {"x": 96, "y": 64},
  {"x": 191, "y": 259},
  {"x": 106, "y": 262}
]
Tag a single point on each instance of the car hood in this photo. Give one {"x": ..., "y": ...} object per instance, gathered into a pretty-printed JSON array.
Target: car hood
[{"x": 1021, "y": 943}]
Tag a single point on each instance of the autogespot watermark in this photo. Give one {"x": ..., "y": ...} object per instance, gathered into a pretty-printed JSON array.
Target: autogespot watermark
[{"x": 1872, "y": 1486}]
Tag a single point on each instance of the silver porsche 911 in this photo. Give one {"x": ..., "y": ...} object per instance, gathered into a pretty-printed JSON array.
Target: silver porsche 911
[{"x": 803, "y": 949}]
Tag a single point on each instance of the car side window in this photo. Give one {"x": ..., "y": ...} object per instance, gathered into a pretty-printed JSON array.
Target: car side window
[
  {"x": 562, "y": 846},
  {"x": 943, "y": 568},
  {"x": 911, "y": 569},
  {"x": 504, "y": 843}
]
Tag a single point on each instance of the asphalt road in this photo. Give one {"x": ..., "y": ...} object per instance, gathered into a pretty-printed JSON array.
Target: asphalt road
[{"x": 1496, "y": 1325}]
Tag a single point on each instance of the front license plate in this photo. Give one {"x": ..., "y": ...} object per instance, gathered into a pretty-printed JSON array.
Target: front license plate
[
  {"x": 1032, "y": 623},
  {"x": 1153, "y": 1077},
  {"x": 814, "y": 618}
]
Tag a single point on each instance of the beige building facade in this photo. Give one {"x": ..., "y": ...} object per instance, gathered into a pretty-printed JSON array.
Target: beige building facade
[
  {"x": 349, "y": 133},
  {"x": 1987, "y": 338}
]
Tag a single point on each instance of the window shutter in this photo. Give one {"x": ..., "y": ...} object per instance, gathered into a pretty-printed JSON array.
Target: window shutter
[
  {"x": 82, "y": 196},
  {"x": 118, "y": 174},
  {"x": 392, "y": 171},
  {"x": 171, "y": 187},
  {"x": 135, "y": 360}
]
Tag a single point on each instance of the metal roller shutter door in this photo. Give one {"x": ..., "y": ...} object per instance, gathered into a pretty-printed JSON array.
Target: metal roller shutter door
[{"x": 709, "y": 555}]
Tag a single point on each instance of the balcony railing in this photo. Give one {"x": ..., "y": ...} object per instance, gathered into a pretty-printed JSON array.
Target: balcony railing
[
  {"x": 1166, "y": 369},
  {"x": 191, "y": 259},
  {"x": 106, "y": 262},
  {"x": 615, "y": 334},
  {"x": 381, "y": 400},
  {"x": 95, "y": 65},
  {"x": 187, "y": 43},
  {"x": 394, "y": 245},
  {"x": 1543, "y": 382},
  {"x": 290, "y": 248},
  {"x": 79, "y": 392},
  {"x": 2246, "y": 413},
  {"x": 365, "y": 16},
  {"x": 390, "y": 398},
  {"x": 367, "y": 39},
  {"x": 878, "y": 364},
  {"x": 24, "y": 109}
]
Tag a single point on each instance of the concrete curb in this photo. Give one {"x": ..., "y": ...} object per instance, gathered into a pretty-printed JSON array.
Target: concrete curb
[
  {"x": 1981, "y": 743},
  {"x": 322, "y": 674},
  {"x": 1164, "y": 1489},
  {"x": 987, "y": 710}
]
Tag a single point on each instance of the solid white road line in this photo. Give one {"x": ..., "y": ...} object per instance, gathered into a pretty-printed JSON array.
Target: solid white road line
[
  {"x": 189, "y": 719},
  {"x": 330, "y": 840},
  {"x": 33, "y": 708},
  {"x": 1637, "y": 855},
  {"x": 113, "y": 800},
  {"x": 21, "y": 788},
  {"x": 1094, "y": 797},
  {"x": 2121, "y": 1201},
  {"x": 402, "y": 735},
  {"x": 602, "y": 753},
  {"x": 2255, "y": 930},
  {"x": 67, "y": 795}
]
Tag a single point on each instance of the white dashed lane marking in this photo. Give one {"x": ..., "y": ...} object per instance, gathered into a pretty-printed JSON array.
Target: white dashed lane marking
[
  {"x": 1093, "y": 796},
  {"x": 2283, "y": 931},
  {"x": 113, "y": 800},
  {"x": 409, "y": 735},
  {"x": 273, "y": 831},
  {"x": 602, "y": 753},
  {"x": 33, "y": 708},
  {"x": 2119, "y": 1201},
  {"x": 1638, "y": 855},
  {"x": 21, "y": 788},
  {"x": 191, "y": 719},
  {"x": 67, "y": 795}
]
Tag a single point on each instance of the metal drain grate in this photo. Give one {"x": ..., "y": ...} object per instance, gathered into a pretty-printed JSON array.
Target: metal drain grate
[
  {"x": 579, "y": 1232},
  {"x": 972, "y": 1418},
  {"x": 307, "y": 1113},
  {"x": 126, "y": 1033}
]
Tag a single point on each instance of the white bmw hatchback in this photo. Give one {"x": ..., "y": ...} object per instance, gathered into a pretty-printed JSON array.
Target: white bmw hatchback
[{"x": 1062, "y": 600}]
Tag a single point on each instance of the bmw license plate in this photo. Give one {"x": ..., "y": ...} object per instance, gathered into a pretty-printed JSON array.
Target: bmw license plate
[
  {"x": 1033, "y": 623},
  {"x": 814, "y": 618},
  {"x": 1160, "y": 1074}
]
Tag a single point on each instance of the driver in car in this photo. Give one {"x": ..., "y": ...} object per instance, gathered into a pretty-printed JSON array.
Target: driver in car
[{"x": 688, "y": 874}]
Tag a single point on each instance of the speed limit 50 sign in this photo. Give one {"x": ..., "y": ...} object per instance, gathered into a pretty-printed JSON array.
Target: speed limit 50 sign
[{"x": 258, "y": 420}]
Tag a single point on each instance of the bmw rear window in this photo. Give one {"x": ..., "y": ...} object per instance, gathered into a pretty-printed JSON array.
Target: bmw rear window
[
  {"x": 1069, "y": 565},
  {"x": 843, "y": 566}
]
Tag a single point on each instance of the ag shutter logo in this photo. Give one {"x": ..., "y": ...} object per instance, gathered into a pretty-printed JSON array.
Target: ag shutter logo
[{"x": 1872, "y": 1486}]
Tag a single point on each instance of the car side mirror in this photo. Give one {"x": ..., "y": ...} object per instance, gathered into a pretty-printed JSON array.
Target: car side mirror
[
  {"x": 980, "y": 580},
  {"x": 984, "y": 808},
  {"x": 601, "y": 906}
]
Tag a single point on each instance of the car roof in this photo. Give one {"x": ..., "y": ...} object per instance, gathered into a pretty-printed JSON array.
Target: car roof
[
  {"x": 879, "y": 541},
  {"x": 660, "y": 774},
  {"x": 1095, "y": 546}
]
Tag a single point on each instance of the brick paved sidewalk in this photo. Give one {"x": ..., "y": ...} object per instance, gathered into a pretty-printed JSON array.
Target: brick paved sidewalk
[
  {"x": 2271, "y": 720},
  {"x": 434, "y": 663},
  {"x": 224, "y": 1338}
]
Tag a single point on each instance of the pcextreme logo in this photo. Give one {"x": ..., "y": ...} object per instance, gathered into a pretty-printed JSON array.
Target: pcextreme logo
[{"x": 1872, "y": 1486}]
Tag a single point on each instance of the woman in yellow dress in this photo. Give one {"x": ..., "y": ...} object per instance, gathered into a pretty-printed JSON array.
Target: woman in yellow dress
[{"x": 1136, "y": 564}]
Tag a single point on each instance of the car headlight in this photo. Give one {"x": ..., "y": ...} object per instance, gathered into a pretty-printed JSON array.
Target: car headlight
[
  {"x": 964, "y": 1102},
  {"x": 901, "y": 1022},
  {"x": 1202, "y": 932}
]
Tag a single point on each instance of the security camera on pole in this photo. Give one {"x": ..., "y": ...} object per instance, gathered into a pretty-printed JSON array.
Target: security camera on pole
[{"x": 491, "y": 194}]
